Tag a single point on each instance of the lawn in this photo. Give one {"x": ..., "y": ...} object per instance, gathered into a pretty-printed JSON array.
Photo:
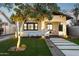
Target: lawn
[
  {"x": 74, "y": 40},
  {"x": 35, "y": 47}
]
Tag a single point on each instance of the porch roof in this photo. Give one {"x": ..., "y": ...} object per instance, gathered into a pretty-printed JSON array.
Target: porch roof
[{"x": 61, "y": 13}]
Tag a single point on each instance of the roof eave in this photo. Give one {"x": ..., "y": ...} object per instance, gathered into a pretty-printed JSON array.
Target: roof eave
[{"x": 60, "y": 13}]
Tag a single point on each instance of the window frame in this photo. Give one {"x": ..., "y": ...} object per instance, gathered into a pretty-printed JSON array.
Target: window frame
[
  {"x": 34, "y": 29},
  {"x": 60, "y": 27},
  {"x": 49, "y": 26}
]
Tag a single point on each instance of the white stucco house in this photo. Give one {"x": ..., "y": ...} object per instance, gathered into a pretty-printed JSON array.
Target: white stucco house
[
  {"x": 42, "y": 27},
  {"x": 7, "y": 25}
]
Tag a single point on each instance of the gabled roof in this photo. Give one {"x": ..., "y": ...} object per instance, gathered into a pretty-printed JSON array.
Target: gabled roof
[
  {"x": 61, "y": 13},
  {"x": 6, "y": 17}
]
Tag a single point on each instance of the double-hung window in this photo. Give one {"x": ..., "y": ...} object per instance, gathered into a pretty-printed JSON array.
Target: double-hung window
[{"x": 30, "y": 26}]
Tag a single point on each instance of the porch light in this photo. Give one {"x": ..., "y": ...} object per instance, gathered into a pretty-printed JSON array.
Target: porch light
[{"x": 43, "y": 36}]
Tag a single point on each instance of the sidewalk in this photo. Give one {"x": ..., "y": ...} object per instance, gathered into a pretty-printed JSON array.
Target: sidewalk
[
  {"x": 2, "y": 38},
  {"x": 66, "y": 47}
]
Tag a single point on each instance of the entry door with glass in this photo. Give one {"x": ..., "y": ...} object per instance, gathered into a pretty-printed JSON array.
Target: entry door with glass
[{"x": 49, "y": 27}]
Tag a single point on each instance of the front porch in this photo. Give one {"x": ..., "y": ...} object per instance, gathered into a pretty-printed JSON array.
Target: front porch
[{"x": 44, "y": 29}]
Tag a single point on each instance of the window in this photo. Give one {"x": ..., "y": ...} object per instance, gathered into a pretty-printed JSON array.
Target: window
[
  {"x": 25, "y": 26},
  {"x": 30, "y": 26},
  {"x": 49, "y": 26},
  {"x": 36, "y": 26},
  {"x": 60, "y": 27}
]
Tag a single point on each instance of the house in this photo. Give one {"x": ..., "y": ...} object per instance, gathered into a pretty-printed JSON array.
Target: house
[
  {"x": 73, "y": 29},
  {"x": 57, "y": 26},
  {"x": 7, "y": 25}
]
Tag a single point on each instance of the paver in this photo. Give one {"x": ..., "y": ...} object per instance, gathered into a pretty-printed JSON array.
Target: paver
[
  {"x": 57, "y": 38},
  {"x": 60, "y": 41},
  {"x": 66, "y": 47},
  {"x": 69, "y": 47},
  {"x": 65, "y": 44},
  {"x": 71, "y": 52}
]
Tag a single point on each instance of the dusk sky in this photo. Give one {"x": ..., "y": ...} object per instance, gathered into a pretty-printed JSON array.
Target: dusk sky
[
  {"x": 66, "y": 6},
  {"x": 63, "y": 6}
]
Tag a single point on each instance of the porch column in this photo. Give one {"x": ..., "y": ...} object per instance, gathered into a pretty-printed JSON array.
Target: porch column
[
  {"x": 42, "y": 25},
  {"x": 42, "y": 28},
  {"x": 64, "y": 29}
]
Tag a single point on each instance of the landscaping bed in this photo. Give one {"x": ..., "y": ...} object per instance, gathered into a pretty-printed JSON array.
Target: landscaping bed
[{"x": 35, "y": 47}]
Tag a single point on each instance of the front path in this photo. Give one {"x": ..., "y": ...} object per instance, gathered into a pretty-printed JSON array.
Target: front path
[
  {"x": 2, "y": 38},
  {"x": 66, "y": 47}
]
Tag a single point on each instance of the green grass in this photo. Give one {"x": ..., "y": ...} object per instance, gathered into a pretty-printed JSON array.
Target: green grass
[
  {"x": 35, "y": 47},
  {"x": 74, "y": 40}
]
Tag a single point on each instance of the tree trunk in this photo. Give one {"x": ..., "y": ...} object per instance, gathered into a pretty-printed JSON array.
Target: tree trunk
[
  {"x": 21, "y": 27},
  {"x": 18, "y": 35},
  {"x": 19, "y": 32}
]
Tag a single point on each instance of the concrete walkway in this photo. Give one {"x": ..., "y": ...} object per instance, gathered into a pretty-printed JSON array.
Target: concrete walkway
[
  {"x": 53, "y": 49},
  {"x": 2, "y": 38},
  {"x": 66, "y": 47}
]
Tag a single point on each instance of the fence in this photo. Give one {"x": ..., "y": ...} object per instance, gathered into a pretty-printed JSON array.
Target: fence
[{"x": 73, "y": 31}]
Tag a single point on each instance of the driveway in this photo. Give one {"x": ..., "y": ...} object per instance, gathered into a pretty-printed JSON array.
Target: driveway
[{"x": 2, "y": 38}]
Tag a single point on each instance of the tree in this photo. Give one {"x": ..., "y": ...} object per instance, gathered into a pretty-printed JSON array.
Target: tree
[
  {"x": 20, "y": 16},
  {"x": 26, "y": 11},
  {"x": 76, "y": 12},
  {"x": 9, "y": 6},
  {"x": 18, "y": 19},
  {"x": 42, "y": 10},
  {"x": 46, "y": 9}
]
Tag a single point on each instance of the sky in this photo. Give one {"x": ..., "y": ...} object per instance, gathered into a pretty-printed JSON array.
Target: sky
[
  {"x": 66, "y": 6},
  {"x": 63, "y": 6}
]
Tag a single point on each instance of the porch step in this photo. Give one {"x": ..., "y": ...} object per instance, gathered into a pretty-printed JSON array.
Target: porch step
[{"x": 52, "y": 36}]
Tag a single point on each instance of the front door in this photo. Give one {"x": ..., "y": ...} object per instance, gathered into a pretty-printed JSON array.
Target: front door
[
  {"x": 53, "y": 28},
  {"x": 49, "y": 27}
]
